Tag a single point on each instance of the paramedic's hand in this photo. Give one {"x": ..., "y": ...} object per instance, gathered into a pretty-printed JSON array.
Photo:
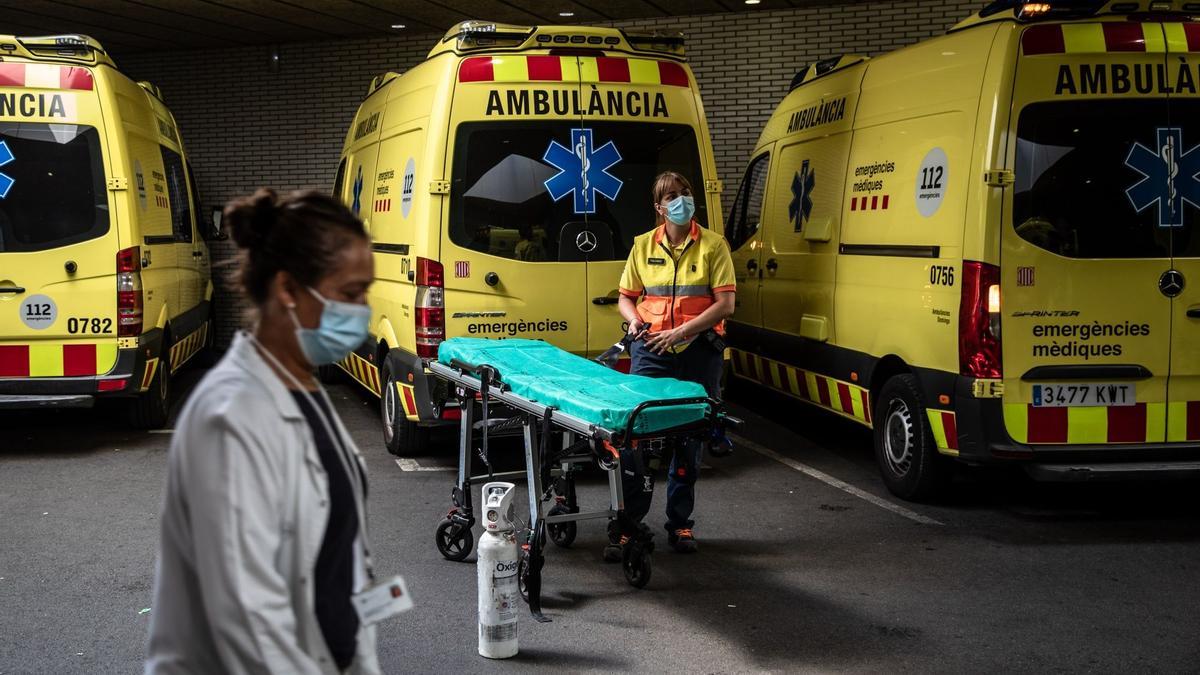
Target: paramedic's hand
[
  {"x": 660, "y": 343},
  {"x": 636, "y": 326}
]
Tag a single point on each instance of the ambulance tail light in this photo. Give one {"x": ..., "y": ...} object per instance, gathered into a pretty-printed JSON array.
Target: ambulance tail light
[
  {"x": 430, "y": 307},
  {"x": 129, "y": 292},
  {"x": 979, "y": 321}
]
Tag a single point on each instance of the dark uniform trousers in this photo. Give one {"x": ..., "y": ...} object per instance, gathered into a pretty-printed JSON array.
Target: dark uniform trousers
[{"x": 700, "y": 362}]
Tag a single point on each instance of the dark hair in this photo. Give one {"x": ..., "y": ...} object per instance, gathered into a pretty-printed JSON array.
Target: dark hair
[
  {"x": 300, "y": 234},
  {"x": 662, "y": 184}
]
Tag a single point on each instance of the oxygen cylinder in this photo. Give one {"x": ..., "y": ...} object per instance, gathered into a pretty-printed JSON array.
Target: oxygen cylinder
[{"x": 496, "y": 570}]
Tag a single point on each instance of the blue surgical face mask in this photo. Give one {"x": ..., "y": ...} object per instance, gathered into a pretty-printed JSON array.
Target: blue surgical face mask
[
  {"x": 681, "y": 209},
  {"x": 343, "y": 327}
]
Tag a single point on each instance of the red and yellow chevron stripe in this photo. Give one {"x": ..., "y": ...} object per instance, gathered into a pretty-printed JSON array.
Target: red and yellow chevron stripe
[
  {"x": 944, "y": 425},
  {"x": 1099, "y": 425},
  {"x": 148, "y": 374},
  {"x": 407, "y": 400},
  {"x": 1113, "y": 36},
  {"x": 592, "y": 69},
  {"x": 42, "y": 76},
  {"x": 846, "y": 399},
  {"x": 57, "y": 359},
  {"x": 183, "y": 350},
  {"x": 363, "y": 371}
]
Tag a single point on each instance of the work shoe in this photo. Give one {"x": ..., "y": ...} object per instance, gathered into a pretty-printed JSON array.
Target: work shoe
[
  {"x": 612, "y": 550},
  {"x": 682, "y": 540}
]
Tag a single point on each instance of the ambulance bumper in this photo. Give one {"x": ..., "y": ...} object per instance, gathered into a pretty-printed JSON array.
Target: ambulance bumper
[
  {"x": 985, "y": 440},
  {"x": 430, "y": 394},
  {"x": 1079, "y": 472},
  {"x": 30, "y": 393},
  {"x": 26, "y": 402}
]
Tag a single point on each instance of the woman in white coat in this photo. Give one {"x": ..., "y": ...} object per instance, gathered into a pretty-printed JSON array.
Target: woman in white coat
[{"x": 263, "y": 539}]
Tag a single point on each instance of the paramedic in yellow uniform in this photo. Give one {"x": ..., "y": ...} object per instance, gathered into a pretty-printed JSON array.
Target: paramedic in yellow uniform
[{"x": 678, "y": 286}]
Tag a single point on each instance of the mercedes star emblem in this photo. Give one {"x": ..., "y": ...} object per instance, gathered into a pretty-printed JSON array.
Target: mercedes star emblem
[
  {"x": 586, "y": 241},
  {"x": 1171, "y": 283}
]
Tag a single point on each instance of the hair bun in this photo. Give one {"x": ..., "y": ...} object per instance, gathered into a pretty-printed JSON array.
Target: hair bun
[{"x": 252, "y": 218}]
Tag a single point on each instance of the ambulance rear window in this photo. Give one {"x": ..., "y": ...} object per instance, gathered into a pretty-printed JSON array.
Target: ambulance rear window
[
  {"x": 52, "y": 190},
  {"x": 1093, "y": 181},
  {"x": 506, "y": 176}
]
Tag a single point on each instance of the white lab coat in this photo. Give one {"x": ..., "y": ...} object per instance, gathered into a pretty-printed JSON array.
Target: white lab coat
[{"x": 242, "y": 523}]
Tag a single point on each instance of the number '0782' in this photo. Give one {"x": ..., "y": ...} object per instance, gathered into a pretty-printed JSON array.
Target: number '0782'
[{"x": 93, "y": 325}]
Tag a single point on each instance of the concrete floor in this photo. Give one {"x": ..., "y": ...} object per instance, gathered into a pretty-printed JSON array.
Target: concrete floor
[{"x": 794, "y": 574}]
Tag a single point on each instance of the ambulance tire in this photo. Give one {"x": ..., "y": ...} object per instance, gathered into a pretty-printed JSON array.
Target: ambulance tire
[
  {"x": 904, "y": 447},
  {"x": 151, "y": 408},
  {"x": 401, "y": 437}
]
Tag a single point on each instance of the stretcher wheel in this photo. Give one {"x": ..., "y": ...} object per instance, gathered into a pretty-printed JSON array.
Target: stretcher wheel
[
  {"x": 562, "y": 534},
  {"x": 453, "y": 540},
  {"x": 635, "y": 561}
]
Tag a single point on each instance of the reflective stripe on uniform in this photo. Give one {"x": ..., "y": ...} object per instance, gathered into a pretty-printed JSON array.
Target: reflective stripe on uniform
[{"x": 689, "y": 290}]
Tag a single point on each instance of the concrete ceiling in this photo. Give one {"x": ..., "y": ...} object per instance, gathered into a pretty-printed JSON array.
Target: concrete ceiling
[{"x": 127, "y": 26}]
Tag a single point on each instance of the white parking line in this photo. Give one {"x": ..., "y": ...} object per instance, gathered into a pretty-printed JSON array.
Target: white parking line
[
  {"x": 406, "y": 464},
  {"x": 830, "y": 480}
]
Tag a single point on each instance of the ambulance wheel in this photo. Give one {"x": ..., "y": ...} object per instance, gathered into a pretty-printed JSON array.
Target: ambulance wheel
[
  {"x": 151, "y": 408},
  {"x": 401, "y": 436},
  {"x": 453, "y": 540},
  {"x": 635, "y": 562},
  {"x": 562, "y": 534},
  {"x": 904, "y": 447}
]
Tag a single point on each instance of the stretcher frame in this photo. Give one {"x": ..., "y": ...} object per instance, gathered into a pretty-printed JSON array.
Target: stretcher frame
[{"x": 583, "y": 443}]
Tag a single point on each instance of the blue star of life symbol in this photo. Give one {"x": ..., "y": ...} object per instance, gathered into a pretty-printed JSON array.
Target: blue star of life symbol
[
  {"x": 583, "y": 170},
  {"x": 6, "y": 181},
  {"x": 1168, "y": 177},
  {"x": 358, "y": 186},
  {"x": 802, "y": 186}
]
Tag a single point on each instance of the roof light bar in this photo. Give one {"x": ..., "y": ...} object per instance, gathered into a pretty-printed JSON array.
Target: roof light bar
[{"x": 1032, "y": 10}]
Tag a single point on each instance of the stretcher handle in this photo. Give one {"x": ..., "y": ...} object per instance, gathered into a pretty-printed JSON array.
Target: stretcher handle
[
  {"x": 489, "y": 376},
  {"x": 713, "y": 407}
]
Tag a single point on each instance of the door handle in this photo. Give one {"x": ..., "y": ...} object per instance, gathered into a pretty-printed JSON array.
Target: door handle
[
  {"x": 197, "y": 254},
  {"x": 752, "y": 264},
  {"x": 1193, "y": 312},
  {"x": 12, "y": 289},
  {"x": 772, "y": 265},
  {"x": 604, "y": 300}
]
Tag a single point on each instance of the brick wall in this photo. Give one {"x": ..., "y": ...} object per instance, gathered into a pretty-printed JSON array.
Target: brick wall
[{"x": 249, "y": 124}]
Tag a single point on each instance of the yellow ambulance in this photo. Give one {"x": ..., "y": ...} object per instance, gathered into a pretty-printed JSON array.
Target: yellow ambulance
[
  {"x": 981, "y": 245},
  {"x": 104, "y": 277},
  {"x": 503, "y": 181}
]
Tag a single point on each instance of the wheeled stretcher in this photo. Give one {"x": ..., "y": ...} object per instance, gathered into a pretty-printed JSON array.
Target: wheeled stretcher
[{"x": 571, "y": 412}]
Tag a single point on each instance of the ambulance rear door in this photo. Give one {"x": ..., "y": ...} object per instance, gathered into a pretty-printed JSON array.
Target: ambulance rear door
[
  {"x": 1174, "y": 181},
  {"x": 1087, "y": 237},
  {"x": 505, "y": 272},
  {"x": 58, "y": 239},
  {"x": 638, "y": 117}
]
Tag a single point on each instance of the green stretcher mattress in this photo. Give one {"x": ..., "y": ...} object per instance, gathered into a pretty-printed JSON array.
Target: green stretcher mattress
[{"x": 540, "y": 372}]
